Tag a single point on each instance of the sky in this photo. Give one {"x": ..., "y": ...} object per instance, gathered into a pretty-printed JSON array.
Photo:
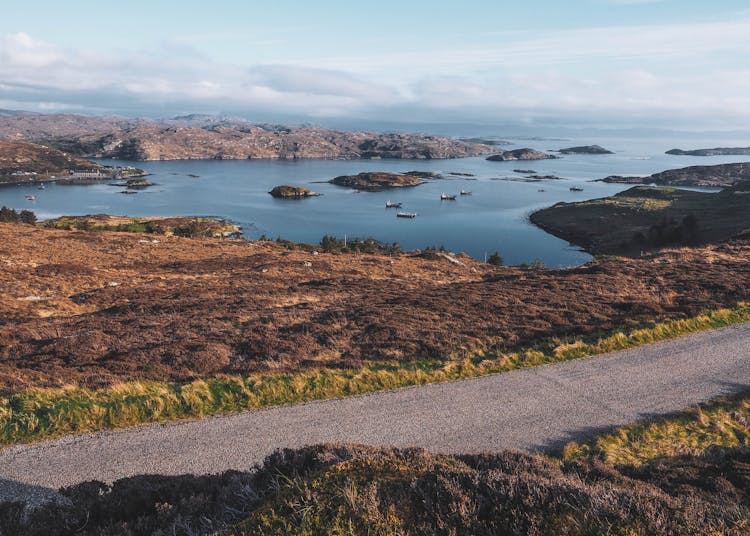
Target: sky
[{"x": 606, "y": 63}]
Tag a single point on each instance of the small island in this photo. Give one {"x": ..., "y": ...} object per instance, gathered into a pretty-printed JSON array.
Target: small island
[
  {"x": 520, "y": 154},
  {"x": 292, "y": 192},
  {"x": 135, "y": 184},
  {"x": 586, "y": 149},
  {"x": 718, "y": 151},
  {"x": 377, "y": 181}
]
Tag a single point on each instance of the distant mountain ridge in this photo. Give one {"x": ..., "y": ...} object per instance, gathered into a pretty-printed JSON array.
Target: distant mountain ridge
[{"x": 199, "y": 136}]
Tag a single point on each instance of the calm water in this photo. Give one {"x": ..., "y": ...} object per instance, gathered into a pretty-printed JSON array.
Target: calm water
[{"x": 494, "y": 218}]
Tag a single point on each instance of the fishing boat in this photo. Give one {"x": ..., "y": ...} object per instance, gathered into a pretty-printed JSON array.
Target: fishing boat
[
  {"x": 406, "y": 215},
  {"x": 576, "y": 189},
  {"x": 31, "y": 198},
  {"x": 388, "y": 204},
  {"x": 446, "y": 197},
  {"x": 464, "y": 192}
]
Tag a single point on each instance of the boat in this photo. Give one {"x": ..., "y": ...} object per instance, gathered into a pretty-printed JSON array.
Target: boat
[
  {"x": 388, "y": 204},
  {"x": 31, "y": 198},
  {"x": 446, "y": 197},
  {"x": 464, "y": 192},
  {"x": 406, "y": 215},
  {"x": 541, "y": 190},
  {"x": 576, "y": 189},
  {"x": 41, "y": 187}
]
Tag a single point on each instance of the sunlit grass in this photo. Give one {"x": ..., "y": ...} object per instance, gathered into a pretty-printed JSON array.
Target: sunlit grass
[
  {"x": 720, "y": 423},
  {"x": 37, "y": 414}
]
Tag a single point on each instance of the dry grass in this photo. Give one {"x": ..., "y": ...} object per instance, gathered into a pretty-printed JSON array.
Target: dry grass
[
  {"x": 41, "y": 413},
  {"x": 721, "y": 423}
]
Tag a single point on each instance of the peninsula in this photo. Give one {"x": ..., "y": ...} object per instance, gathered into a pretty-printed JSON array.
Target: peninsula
[
  {"x": 718, "y": 151},
  {"x": 718, "y": 176}
]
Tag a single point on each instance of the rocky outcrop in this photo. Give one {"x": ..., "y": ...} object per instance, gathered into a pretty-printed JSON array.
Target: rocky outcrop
[
  {"x": 718, "y": 151},
  {"x": 292, "y": 192},
  {"x": 521, "y": 154},
  {"x": 719, "y": 176},
  {"x": 586, "y": 149},
  {"x": 376, "y": 181},
  {"x": 201, "y": 137}
]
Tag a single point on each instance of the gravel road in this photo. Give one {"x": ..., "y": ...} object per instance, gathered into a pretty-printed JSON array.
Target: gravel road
[{"x": 535, "y": 409}]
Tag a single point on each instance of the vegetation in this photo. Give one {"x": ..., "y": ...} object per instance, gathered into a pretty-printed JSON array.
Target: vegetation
[
  {"x": 495, "y": 259},
  {"x": 9, "y": 215},
  {"x": 178, "y": 226},
  {"x": 332, "y": 244},
  {"x": 350, "y": 489},
  {"x": 42, "y": 413},
  {"x": 724, "y": 423}
]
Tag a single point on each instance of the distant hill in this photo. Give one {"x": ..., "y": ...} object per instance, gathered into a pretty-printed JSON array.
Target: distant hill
[{"x": 198, "y": 136}]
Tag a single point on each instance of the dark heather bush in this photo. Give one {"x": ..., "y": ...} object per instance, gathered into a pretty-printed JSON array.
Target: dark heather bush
[{"x": 364, "y": 490}]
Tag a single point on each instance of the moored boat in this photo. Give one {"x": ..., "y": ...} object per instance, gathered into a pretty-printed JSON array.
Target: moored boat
[
  {"x": 406, "y": 215},
  {"x": 447, "y": 197},
  {"x": 464, "y": 192},
  {"x": 388, "y": 204},
  {"x": 576, "y": 189},
  {"x": 31, "y": 198}
]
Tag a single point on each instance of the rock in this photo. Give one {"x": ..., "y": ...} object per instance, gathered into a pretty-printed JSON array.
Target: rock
[
  {"x": 292, "y": 192},
  {"x": 525, "y": 171},
  {"x": 585, "y": 149},
  {"x": 375, "y": 181},
  {"x": 521, "y": 154}
]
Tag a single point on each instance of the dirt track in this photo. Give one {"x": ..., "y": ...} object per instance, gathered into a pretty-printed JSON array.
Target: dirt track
[{"x": 97, "y": 307}]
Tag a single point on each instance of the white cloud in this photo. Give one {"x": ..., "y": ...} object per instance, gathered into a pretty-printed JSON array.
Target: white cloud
[{"x": 665, "y": 72}]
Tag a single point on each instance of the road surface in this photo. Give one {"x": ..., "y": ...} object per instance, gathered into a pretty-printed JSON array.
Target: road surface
[{"x": 535, "y": 409}]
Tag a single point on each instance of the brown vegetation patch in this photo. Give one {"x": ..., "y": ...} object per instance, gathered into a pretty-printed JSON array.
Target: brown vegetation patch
[{"x": 96, "y": 307}]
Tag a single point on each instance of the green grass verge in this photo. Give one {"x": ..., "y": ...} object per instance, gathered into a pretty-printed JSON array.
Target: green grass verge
[
  {"x": 720, "y": 423},
  {"x": 43, "y": 413}
]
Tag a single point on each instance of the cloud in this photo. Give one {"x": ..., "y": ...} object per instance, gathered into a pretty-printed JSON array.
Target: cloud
[{"x": 680, "y": 72}]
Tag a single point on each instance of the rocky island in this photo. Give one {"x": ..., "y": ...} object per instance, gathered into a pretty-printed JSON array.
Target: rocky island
[
  {"x": 718, "y": 176},
  {"x": 214, "y": 137},
  {"x": 718, "y": 151},
  {"x": 520, "y": 154},
  {"x": 586, "y": 149},
  {"x": 292, "y": 192},
  {"x": 376, "y": 181},
  {"x": 135, "y": 184}
]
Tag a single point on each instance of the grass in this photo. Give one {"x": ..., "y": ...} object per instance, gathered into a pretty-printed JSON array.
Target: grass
[
  {"x": 719, "y": 423},
  {"x": 43, "y": 413}
]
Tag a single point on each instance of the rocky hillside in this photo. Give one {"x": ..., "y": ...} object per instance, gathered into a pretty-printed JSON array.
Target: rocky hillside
[
  {"x": 199, "y": 137},
  {"x": 18, "y": 157}
]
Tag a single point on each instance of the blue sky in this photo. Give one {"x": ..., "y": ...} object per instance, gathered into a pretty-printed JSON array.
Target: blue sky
[{"x": 603, "y": 62}]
